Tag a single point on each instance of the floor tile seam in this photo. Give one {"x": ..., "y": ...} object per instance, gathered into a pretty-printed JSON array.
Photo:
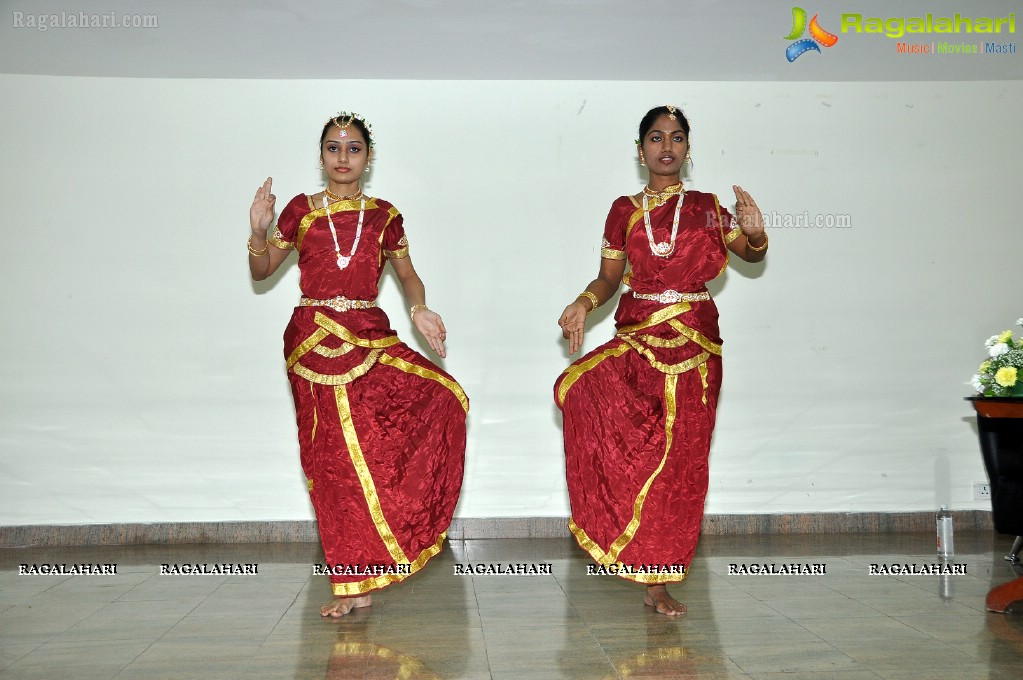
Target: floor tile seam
[
  {"x": 919, "y": 630},
  {"x": 23, "y": 655},
  {"x": 71, "y": 623},
  {"x": 832, "y": 589},
  {"x": 850, "y": 599},
  {"x": 860, "y": 599},
  {"x": 183, "y": 617},
  {"x": 947, "y": 646},
  {"x": 969, "y": 654},
  {"x": 752, "y": 593},
  {"x": 833, "y": 648},
  {"x": 120, "y": 598},
  {"x": 980, "y": 607},
  {"x": 824, "y": 639},
  {"x": 886, "y": 616},
  {"x": 589, "y": 631},
  {"x": 124, "y": 667},
  {"x": 576, "y": 612},
  {"x": 104, "y": 665},
  {"x": 137, "y": 656},
  {"x": 603, "y": 650},
  {"x": 874, "y": 673},
  {"x": 919, "y": 582},
  {"x": 483, "y": 629},
  {"x": 178, "y": 620},
  {"x": 294, "y": 600}
]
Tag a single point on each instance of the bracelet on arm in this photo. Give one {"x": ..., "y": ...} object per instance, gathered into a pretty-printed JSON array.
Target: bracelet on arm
[
  {"x": 257, "y": 253},
  {"x": 412, "y": 312},
  {"x": 757, "y": 249},
  {"x": 591, "y": 297}
]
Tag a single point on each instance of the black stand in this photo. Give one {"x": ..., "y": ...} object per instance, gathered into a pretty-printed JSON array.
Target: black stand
[{"x": 1000, "y": 427}]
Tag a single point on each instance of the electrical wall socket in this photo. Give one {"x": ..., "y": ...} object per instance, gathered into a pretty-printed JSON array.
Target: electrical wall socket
[{"x": 981, "y": 491}]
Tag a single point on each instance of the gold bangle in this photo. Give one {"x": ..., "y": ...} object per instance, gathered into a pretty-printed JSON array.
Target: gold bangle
[
  {"x": 757, "y": 249},
  {"x": 412, "y": 312},
  {"x": 257, "y": 253},
  {"x": 591, "y": 297}
]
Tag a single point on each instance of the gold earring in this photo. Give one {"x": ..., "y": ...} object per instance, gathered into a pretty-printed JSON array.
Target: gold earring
[
  {"x": 642, "y": 159},
  {"x": 321, "y": 162},
  {"x": 688, "y": 158}
]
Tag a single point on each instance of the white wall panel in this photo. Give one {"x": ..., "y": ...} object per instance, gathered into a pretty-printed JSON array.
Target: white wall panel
[{"x": 141, "y": 372}]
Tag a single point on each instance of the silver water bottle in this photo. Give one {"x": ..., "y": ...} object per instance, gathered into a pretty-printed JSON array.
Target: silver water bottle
[{"x": 946, "y": 547}]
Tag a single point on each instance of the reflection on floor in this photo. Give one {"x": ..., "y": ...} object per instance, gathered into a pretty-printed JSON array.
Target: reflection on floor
[{"x": 844, "y": 624}]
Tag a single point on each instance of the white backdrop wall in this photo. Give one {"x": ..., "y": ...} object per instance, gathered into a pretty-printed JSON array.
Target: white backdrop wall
[{"x": 142, "y": 375}]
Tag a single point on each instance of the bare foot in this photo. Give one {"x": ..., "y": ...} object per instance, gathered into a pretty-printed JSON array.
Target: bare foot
[
  {"x": 342, "y": 605},
  {"x": 658, "y": 596}
]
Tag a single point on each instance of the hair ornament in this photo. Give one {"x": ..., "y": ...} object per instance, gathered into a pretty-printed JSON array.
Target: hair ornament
[{"x": 344, "y": 119}]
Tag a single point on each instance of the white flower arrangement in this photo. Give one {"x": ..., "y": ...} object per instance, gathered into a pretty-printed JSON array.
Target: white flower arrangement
[{"x": 1002, "y": 374}]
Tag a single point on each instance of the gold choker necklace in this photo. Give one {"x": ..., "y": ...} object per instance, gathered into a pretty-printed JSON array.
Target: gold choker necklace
[
  {"x": 664, "y": 193},
  {"x": 337, "y": 197}
]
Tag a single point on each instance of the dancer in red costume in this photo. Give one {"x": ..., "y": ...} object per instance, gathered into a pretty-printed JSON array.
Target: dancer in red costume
[
  {"x": 639, "y": 410},
  {"x": 381, "y": 429}
]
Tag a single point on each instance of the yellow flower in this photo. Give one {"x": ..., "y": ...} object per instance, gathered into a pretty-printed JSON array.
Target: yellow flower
[
  {"x": 1006, "y": 336},
  {"x": 1006, "y": 376},
  {"x": 984, "y": 367}
]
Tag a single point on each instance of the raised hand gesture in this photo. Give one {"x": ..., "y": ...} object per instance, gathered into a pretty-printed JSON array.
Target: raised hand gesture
[
  {"x": 747, "y": 214},
  {"x": 261, "y": 214}
]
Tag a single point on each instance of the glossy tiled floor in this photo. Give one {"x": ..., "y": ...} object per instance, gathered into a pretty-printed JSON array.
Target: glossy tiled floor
[{"x": 842, "y": 625}]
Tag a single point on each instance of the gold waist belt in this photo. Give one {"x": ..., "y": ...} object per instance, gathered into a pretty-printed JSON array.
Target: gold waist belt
[
  {"x": 338, "y": 304},
  {"x": 672, "y": 296}
]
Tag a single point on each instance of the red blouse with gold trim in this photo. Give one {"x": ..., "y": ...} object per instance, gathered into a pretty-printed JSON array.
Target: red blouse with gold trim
[
  {"x": 381, "y": 428},
  {"x": 639, "y": 410},
  {"x": 304, "y": 226}
]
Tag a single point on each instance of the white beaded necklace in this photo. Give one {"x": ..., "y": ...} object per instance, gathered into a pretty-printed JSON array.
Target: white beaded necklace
[
  {"x": 662, "y": 249},
  {"x": 343, "y": 260}
]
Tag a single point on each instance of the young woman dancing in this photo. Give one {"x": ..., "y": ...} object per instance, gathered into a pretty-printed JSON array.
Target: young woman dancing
[
  {"x": 381, "y": 429},
  {"x": 639, "y": 410}
]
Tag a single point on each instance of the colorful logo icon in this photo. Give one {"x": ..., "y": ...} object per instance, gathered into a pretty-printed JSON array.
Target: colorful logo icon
[{"x": 818, "y": 36}]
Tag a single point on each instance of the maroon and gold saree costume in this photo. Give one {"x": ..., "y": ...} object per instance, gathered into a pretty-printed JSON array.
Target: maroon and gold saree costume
[
  {"x": 381, "y": 429},
  {"x": 639, "y": 410}
]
